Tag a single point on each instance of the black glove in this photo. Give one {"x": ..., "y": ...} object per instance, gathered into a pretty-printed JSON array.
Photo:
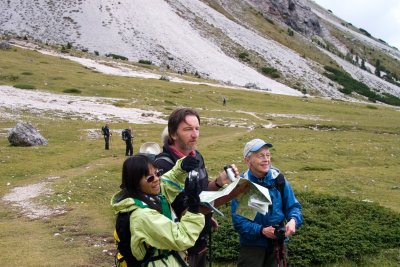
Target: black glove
[
  {"x": 189, "y": 163},
  {"x": 192, "y": 191}
]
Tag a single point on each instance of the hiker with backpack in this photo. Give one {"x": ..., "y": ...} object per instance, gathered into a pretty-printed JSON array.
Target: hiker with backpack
[
  {"x": 179, "y": 141},
  {"x": 105, "y": 130},
  {"x": 263, "y": 240},
  {"x": 127, "y": 136},
  {"x": 146, "y": 232}
]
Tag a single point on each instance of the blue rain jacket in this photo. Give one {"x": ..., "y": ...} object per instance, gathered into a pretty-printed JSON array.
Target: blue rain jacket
[{"x": 250, "y": 231}]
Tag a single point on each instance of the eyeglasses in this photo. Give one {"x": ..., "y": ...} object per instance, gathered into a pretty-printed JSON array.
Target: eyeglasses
[
  {"x": 261, "y": 156},
  {"x": 150, "y": 178}
]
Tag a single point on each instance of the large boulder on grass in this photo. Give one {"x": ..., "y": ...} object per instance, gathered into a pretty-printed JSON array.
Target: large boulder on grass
[
  {"x": 5, "y": 46},
  {"x": 24, "y": 134}
]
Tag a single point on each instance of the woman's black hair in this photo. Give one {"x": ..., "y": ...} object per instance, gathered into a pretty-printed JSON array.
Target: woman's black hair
[{"x": 133, "y": 170}]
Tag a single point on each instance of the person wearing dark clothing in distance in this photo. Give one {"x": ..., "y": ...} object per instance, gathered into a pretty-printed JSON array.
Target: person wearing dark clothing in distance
[
  {"x": 263, "y": 240},
  {"x": 183, "y": 134},
  {"x": 128, "y": 142},
  {"x": 107, "y": 134}
]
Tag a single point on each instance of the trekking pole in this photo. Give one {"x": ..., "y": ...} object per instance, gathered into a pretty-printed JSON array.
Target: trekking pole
[
  {"x": 280, "y": 253},
  {"x": 283, "y": 254},
  {"x": 277, "y": 254},
  {"x": 210, "y": 237}
]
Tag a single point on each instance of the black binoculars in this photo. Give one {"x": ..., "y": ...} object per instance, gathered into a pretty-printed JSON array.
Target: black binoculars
[{"x": 279, "y": 232}]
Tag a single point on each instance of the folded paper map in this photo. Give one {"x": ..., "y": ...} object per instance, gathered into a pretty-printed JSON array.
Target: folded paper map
[{"x": 252, "y": 198}]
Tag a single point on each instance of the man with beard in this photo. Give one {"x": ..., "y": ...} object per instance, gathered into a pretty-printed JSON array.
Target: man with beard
[{"x": 183, "y": 134}]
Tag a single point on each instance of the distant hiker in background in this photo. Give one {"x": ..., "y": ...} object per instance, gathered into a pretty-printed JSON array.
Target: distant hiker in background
[
  {"x": 224, "y": 101},
  {"x": 127, "y": 136},
  {"x": 107, "y": 134}
]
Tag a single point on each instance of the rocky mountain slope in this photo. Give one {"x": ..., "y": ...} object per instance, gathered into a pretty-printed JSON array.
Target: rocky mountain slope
[{"x": 279, "y": 46}]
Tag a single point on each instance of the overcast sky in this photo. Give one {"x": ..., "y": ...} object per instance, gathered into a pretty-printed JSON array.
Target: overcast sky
[{"x": 381, "y": 18}]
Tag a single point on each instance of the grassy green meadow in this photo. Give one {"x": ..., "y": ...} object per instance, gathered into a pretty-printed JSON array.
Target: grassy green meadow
[{"x": 326, "y": 148}]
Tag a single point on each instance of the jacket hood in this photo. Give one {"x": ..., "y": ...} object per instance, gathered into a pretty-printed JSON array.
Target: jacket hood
[{"x": 122, "y": 205}]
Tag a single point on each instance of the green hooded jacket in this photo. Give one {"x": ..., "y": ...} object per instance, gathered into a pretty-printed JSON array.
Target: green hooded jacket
[{"x": 148, "y": 227}]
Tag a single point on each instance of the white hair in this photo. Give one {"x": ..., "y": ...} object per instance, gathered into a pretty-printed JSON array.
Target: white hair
[{"x": 164, "y": 136}]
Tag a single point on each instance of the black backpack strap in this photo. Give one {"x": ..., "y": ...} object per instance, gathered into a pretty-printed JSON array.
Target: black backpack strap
[
  {"x": 280, "y": 185},
  {"x": 163, "y": 255},
  {"x": 179, "y": 259}
]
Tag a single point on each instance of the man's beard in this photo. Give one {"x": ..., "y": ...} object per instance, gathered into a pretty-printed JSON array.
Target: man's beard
[{"x": 186, "y": 147}]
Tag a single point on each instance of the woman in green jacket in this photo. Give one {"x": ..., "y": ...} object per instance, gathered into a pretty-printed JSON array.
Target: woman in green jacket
[{"x": 145, "y": 228}]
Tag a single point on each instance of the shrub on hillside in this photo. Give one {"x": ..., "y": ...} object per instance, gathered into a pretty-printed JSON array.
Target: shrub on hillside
[
  {"x": 225, "y": 241},
  {"x": 72, "y": 91},
  {"x": 63, "y": 49},
  {"x": 390, "y": 99},
  {"x": 365, "y": 32},
  {"x": 115, "y": 56},
  {"x": 244, "y": 56},
  {"x": 351, "y": 85},
  {"x": 144, "y": 61},
  {"x": 331, "y": 232},
  {"x": 24, "y": 86},
  {"x": 270, "y": 72}
]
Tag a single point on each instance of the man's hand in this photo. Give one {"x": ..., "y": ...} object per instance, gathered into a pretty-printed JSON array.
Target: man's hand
[
  {"x": 223, "y": 178},
  {"x": 189, "y": 163},
  {"x": 214, "y": 224}
]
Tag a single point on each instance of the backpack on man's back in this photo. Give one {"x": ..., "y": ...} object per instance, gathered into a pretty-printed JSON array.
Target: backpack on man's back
[{"x": 124, "y": 134}]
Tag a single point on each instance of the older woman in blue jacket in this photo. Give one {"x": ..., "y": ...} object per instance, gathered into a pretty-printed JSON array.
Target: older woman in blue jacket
[{"x": 263, "y": 240}]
